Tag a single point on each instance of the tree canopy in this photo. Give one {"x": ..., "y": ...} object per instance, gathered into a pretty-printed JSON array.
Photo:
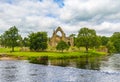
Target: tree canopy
[
  {"x": 104, "y": 40},
  {"x": 115, "y": 38},
  {"x": 62, "y": 45},
  {"x": 10, "y": 37},
  {"x": 26, "y": 42},
  {"x": 87, "y": 38},
  {"x": 38, "y": 41}
]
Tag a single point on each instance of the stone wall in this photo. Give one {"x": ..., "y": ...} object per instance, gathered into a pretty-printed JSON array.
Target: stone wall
[{"x": 55, "y": 39}]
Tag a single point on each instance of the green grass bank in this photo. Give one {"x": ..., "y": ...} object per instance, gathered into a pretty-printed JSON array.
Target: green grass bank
[{"x": 50, "y": 55}]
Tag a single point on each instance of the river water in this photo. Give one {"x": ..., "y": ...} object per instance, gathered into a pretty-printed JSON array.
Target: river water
[
  {"x": 105, "y": 63},
  {"x": 106, "y": 69}
]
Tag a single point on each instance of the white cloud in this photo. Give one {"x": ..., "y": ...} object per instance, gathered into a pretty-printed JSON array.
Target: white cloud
[{"x": 46, "y": 15}]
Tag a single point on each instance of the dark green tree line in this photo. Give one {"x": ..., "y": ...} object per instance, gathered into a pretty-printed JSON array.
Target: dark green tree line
[{"x": 38, "y": 41}]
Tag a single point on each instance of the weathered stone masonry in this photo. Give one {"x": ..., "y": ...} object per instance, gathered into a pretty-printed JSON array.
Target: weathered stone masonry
[{"x": 55, "y": 39}]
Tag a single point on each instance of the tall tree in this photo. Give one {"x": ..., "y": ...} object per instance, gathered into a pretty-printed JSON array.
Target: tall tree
[
  {"x": 115, "y": 38},
  {"x": 86, "y": 38},
  {"x": 11, "y": 37},
  {"x": 62, "y": 45},
  {"x": 38, "y": 41}
]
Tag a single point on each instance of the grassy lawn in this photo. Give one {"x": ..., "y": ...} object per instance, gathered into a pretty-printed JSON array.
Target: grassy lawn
[{"x": 51, "y": 55}]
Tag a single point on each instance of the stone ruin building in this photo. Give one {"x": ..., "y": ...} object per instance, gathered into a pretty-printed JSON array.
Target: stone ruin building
[{"x": 55, "y": 39}]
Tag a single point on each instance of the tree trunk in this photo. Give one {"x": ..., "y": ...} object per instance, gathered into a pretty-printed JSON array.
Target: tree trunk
[
  {"x": 62, "y": 50},
  {"x": 13, "y": 45},
  {"x": 86, "y": 48},
  {"x": 12, "y": 49}
]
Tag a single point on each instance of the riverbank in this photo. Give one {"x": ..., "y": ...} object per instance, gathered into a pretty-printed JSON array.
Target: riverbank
[
  {"x": 8, "y": 58},
  {"x": 51, "y": 55},
  {"x": 54, "y": 55}
]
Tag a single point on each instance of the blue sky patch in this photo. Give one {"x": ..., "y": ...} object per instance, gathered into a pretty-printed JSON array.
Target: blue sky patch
[
  {"x": 9, "y": 1},
  {"x": 60, "y": 3},
  {"x": 51, "y": 15}
]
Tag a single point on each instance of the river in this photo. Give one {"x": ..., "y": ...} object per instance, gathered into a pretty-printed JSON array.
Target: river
[
  {"x": 104, "y": 63},
  {"x": 106, "y": 69}
]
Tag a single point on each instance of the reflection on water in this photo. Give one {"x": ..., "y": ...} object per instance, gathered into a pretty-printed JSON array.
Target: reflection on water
[
  {"x": 83, "y": 63},
  {"x": 106, "y": 63}
]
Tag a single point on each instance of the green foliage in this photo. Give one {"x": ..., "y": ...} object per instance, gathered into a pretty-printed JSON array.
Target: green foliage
[
  {"x": 19, "y": 41},
  {"x": 104, "y": 40},
  {"x": 10, "y": 38},
  {"x": 2, "y": 40},
  {"x": 110, "y": 47},
  {"x": 38, "y": 41},
  {"x": 87, "y": 38},
  {"x": 116, "y": 41},
  {"x": 62, "y": 45},
  {"x": 96, "y": 42},
  {"x": 26, "y": 42}
]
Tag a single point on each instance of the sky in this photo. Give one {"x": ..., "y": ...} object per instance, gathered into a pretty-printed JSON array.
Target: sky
[{"x": 71, "y": 15}]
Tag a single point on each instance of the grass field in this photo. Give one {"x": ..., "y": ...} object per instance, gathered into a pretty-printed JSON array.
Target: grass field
[{"x": 51, "y": 55}]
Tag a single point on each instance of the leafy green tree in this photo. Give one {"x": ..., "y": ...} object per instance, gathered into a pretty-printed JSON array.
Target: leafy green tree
[
  {"x": 62, "y": 45},
  {"x": 95, "y": 42},
  {"x": 3, "y": 41},
  {"x": 38, "y": 41},
  {"x": 11, "y": 36},
  {"x": 110, "y": 47},
  {"x": 19, "y": 41},
  {"x": 26, "y": 42},
  {"x": 87, "y": 38},
  {"x": 104, "y": 40},
  {"x": 115, "y": 38}
]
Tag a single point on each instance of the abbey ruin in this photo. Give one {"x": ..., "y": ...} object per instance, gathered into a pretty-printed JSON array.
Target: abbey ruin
[{"x": 55, "y": 39}]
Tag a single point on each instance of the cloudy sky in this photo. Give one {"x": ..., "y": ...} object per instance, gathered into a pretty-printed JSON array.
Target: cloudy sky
[{"x": 46, "y": 15}]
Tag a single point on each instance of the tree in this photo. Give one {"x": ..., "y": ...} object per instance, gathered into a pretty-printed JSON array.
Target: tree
[
  {"x": 110, "y": 47},
  {"x": 62, "y": 45},
  {"x": 86, "y": 38},
  {"x": 26, "y": 42},
  {"x": 95, "y": 42},
  {"x": 3, "y": 40},
  {"x": 10, "y": 37},
  {"x": 115, "y": 38},
  {"x": 104, "y": 40},
  {"x": 38, "y": 41},
  {"x": 19, "y": 41}
]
